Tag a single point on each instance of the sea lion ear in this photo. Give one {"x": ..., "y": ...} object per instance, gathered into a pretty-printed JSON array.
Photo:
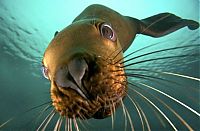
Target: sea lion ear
[{"x": 163, "y": 24}]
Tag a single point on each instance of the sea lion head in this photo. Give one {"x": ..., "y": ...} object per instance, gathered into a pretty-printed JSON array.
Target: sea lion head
[
  {"x": 82, "y": 60},
  {"x": 85, "y": 80}
]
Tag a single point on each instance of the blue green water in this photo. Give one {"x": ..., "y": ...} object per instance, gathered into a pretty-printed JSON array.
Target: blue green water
[{"x": 26, "y": 28}]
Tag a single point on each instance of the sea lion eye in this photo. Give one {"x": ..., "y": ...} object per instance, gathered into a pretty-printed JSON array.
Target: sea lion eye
[
  {"x": 45, "y": 72},
  {"x": 107, "y": 31}
]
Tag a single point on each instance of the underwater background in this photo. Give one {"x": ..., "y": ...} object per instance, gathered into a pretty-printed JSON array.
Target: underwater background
[{"x": 27, "y": 27}]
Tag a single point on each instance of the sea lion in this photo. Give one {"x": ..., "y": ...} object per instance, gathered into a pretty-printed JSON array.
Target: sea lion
[{"x": 82, "y": 60}]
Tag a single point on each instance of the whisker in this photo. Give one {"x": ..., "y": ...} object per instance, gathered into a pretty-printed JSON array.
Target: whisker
[
  {"x": 174, "y": 112},
  {"x": 3, "y": 124},
  {"x": 66, "y": 124},
  {"x": 172, "y": 98},
  {"x": 35, "y": 107},
  {"x": 148, "y": 77},
  {"x": 124, "y": 111},
  {"x": 162, "y": 50},
  {"x": 48, "y": 121},
  {"x": 47, "y": 117},
  {"x": 168, "y": 73},
  {"x": 82, "y": 124},
  {"x": 36, "y": 118},
  {"x": 180, "y": 75},
  {"x": 136, "y": 107},
  {"x": 137, "y": 51},
  {"x": 160, "y": 58},
  {"x": 146, "y": 121},
  {"x": 60, "y": 124},
  {"x": 112, "y": 119},
  {"x": 130, "y": 121},
  {"x": 145, "y": 118},
  {"x": 57, "y": 124},
  {"x": 169, "y": 121},
  {"x": 69, "y": 124},
  {"x": 75, "y": 124}
]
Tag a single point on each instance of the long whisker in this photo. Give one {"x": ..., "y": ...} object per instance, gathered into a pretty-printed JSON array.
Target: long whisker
[
  {"x": 168, "y": 73},
  {"x": 82, "y": 124},
  {"x": 48, "y": 121},
  {"x": 58, "y": 123},
  {"x": 169, "y": 121},
  {"x": 137, "y": 51},
  {"x": 11, "y": 119},
  {"x": 112, "y": 116},
  {"x": 160, "y": 58},
  {"x": 172, "y": 98},
  {"x": 136, "y": 107},
  {"x": 3, "y": 124},
  {"x": 39, "y": 114},
  {"x": 69, "y": 124},
  {"x": 124, "y": 111},
  {"x": 145, "y": 118},
  {"x": 148, "y": 77},
  {"x": 47, "y": 117},
  {"x": 66, "y": 124},
  {"x": 157, "y": 51},
  {"x": 180, "y": 75},
  {"x": 130, "y": 121},
  {"x": 38, "y": 106},
  {"x": 175, "y": 113},
  {"x": 76, "y": 124}
]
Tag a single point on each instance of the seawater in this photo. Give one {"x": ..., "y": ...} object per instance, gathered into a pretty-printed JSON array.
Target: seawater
[{"x": 27, "y": 27}]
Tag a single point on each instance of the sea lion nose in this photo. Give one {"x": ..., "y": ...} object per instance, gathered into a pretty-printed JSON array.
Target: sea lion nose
[{"x": 71, "y": 76}]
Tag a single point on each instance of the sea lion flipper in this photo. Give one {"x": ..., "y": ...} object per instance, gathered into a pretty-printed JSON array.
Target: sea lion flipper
[{"x": 163, "y": 24}]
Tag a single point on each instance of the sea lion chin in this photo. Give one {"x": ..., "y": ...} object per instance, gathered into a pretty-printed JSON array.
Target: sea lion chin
[{"x": 84, "y": 61}]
